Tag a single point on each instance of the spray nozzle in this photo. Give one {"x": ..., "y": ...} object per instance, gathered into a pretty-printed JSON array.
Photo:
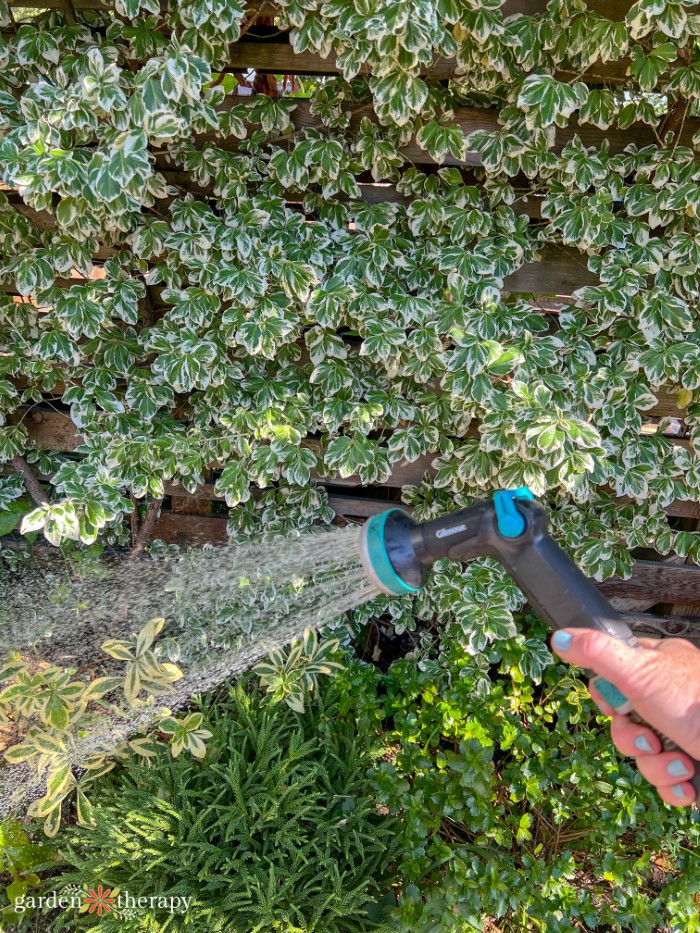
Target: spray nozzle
[{"x": 397, "y": 553}]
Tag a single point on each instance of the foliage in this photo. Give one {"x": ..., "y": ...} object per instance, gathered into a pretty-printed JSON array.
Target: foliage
[
  {"x": 144, "y": 670},
  {"x": 279, "y": 327},
  {"x": 275, "y": 830},
  {"x": 73, "y": 728},
  {"x": 21, "y": 859},
  {"x": 515, "y": 807},
  {"x": 382, "y": 330},
  {"x": 293, "y": 674}
]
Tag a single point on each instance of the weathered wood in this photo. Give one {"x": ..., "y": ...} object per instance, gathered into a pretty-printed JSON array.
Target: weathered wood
[
  {"x": 276, "y": 56},
  {"x": 559, "y": 272},
  {"x": 685, "y": 625},
  {"x": 190, "y": 530},
  {"x": 668, "y": 584},
  {"x": 55, "y": 431},
  {"x": 470, "y": 119},
  {"x": 612, "y": 9},
  {"x": 189, "y": 505},
  {"x": 50, "y": 430},
  {"x": 639, "y": 605},
  {"x": 667, "y": 404},
  {"x": 370, "y": 193},
  {"x": 268, "y": 51}
]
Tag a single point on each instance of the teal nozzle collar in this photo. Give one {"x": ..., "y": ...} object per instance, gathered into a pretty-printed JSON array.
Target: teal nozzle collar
[
  {"x": 511, "y": 524},
  {"x": 375, "y": 558}
]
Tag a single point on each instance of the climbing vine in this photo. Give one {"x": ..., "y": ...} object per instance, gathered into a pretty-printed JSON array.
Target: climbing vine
[{"x": 201, "y": 280}]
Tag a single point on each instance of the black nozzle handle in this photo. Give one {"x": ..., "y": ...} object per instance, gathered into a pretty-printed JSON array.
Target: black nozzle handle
[{"x": 554, "y": 586}]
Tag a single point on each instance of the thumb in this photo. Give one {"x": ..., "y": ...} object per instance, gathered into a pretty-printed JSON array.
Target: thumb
[{"x": 630, "y": 669}]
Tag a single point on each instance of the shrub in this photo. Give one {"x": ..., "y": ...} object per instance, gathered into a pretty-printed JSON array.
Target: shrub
[
  {"x": 20, "y": 860},
  {"x": 227, "y": 328},
  {"x": 275, "y": 830},
  {"x": 71, "y": 728},
  {"x": 515, "y": 805}
]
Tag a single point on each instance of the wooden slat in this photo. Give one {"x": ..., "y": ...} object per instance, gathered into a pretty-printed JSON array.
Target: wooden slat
[
  {"x": 667, "y": 405},
  {"x": 50, "y": 430},
  {"x": 559, "y": 272},
  {"x": 407, "y": 474},
  {"x": 55, "y": 431},
  {"x": 470, "y": 119},
  {"x": 669, "y": 584},
  {"x": 370, "y": 193},
  {"x": 686, "y": 625},
  {"x": 190, "y": 529},
  {"x": 279, "y": 57},
  {"x": 612, "y": 9}
]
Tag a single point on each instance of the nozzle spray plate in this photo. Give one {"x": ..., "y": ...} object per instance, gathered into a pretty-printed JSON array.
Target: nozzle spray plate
[{"x": 375, "y": 557}]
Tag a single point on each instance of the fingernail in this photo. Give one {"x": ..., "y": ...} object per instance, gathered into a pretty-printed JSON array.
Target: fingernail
[
  {"x": 678, "y": 791},
  {"x": 561, "y": 640},
  {"x": 610, "y": 693},
  {"x": 676, "y": 768},
  {"x": 642, "y": 743}
]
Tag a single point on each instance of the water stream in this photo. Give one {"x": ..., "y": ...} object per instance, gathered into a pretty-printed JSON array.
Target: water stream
[{"x": 225, "y": 609}]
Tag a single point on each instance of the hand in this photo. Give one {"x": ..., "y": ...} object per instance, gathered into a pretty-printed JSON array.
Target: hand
[{"x": 662, "y": 681}]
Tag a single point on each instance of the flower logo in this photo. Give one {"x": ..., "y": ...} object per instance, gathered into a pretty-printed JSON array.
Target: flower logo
[{"x": 99, "y": 901}]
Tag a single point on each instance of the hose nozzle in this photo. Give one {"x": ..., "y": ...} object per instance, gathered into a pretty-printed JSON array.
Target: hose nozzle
[
  {"x": 397, "y": 553},
  {"x": 387, "y": 554}
]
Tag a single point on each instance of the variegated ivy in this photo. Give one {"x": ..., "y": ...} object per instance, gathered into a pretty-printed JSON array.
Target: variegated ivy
[{"x": 337, "y": 335}]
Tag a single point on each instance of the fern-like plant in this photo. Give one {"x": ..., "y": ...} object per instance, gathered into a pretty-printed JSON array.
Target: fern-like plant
[{"x": 276, "y": 830}]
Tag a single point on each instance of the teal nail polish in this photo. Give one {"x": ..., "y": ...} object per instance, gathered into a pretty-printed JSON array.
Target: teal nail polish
[
  {"x": 678, "y": 791},
  {"x": 610, "y": 693},
  {"x": 676, "y": 768},
  {"x": 642, "y": 743},
  {"x": 561, "y": 640}
]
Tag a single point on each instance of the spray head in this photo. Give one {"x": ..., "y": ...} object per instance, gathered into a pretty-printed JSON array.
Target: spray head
[
  {"x": 387, "y": 555},
  {"x": 397, "y": 553}
]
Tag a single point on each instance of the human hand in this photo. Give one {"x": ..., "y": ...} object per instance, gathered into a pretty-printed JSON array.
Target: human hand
[{"x": 661, "y": 679}]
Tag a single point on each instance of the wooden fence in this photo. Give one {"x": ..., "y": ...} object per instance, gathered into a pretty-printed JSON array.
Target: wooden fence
[{"x": 191, "y": 517}]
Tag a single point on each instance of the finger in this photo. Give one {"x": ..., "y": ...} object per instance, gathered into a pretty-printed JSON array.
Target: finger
[
  {"x": 652, "y": 642},
  {"x": 633, "y": 740},
  {"x": 678, "y": 795},
  {"x": 666, "y": 769},
  {"x": 673, "y": 645}
]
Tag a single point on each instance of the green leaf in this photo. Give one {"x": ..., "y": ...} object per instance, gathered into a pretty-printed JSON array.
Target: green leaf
[
  {"x": 84, "y": 809},
  {"x": 16, "y": 890},
  {"x": 648, "y": 68},
  {"x": 439, "y": 140},
  {"x": 546, "y": 100},
  {"x": 8, "y": 522},
  {"x": 19, "y": 753},
  {"x": 233, "y": 484},
  {"x": 121, "y": 650},
  {"x": 56, "y": 712},
  {"x": 132, "y": 683},
  {"x": 148, "y": 634}
]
